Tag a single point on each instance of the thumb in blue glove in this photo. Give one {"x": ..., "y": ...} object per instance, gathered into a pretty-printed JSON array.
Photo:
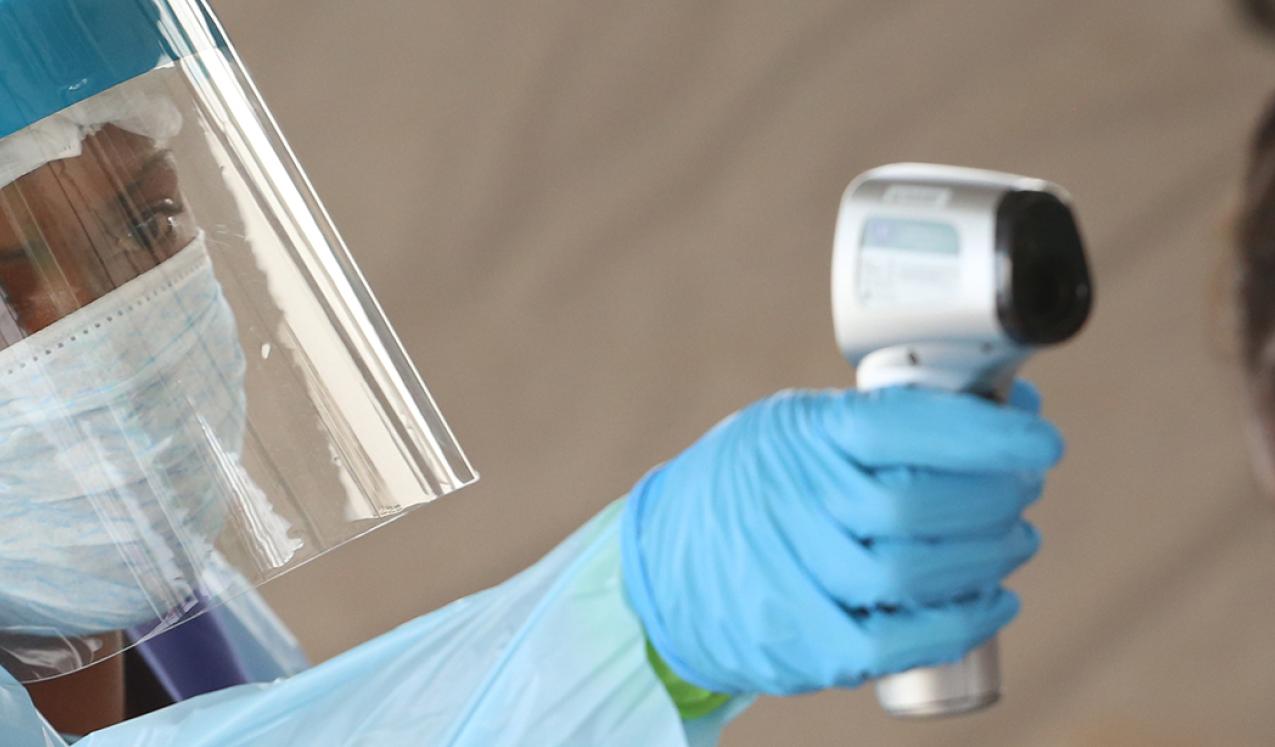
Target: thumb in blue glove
[{"x": 820, "y": 539}]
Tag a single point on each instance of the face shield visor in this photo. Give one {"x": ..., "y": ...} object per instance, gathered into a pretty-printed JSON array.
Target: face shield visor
[{"x": 198, "y": 392}]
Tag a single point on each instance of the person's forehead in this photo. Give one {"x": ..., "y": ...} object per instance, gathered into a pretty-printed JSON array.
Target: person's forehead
[
  {"x": 110, "y": 160},
  {"x": 109, "y": 150}
]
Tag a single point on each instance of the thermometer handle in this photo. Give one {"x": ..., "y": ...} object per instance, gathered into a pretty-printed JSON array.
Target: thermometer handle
[{"x": 968, "y": 685}]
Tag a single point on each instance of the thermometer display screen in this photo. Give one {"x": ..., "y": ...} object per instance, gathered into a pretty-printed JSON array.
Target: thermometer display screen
[
  {"x": 906, "y": 263},
  {"x": 928, "y": 236}
]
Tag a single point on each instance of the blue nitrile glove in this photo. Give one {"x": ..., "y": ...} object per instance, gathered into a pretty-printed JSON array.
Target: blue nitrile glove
[{"x": 819, "y": 539}]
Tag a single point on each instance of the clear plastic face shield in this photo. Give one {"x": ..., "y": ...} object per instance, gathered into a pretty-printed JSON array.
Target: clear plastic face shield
[{"x": 197, "y": 391}]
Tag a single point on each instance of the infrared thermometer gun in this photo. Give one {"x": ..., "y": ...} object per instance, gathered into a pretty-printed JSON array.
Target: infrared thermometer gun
[{"x": 951, "y": 278}]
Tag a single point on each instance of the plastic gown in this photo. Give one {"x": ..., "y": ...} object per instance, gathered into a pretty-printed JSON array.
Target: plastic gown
[{"x": 552, "y": 656}]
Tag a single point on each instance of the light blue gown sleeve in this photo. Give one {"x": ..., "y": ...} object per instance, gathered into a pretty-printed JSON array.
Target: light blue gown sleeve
[
  {"x": 21, "y": 725},
  {"x": 551, "y": 657},
  {"x": 263, "y": 646}
]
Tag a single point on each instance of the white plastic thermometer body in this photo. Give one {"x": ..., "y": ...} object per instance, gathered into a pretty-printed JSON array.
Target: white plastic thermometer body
[{"x": 914, "y": 293}]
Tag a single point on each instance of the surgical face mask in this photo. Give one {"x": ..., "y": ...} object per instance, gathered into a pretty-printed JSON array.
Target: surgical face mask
[{"x": 118, "y": 427}]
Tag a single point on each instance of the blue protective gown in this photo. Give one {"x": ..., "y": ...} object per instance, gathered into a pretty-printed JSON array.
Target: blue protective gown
[{"x": 552, "y": 656}]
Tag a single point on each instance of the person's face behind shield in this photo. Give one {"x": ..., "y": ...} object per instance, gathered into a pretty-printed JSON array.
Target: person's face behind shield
[
  {"x": 122, "y": 400},
  {"x": 87, "y": 225},
  {"x": 71, "y": 232}
]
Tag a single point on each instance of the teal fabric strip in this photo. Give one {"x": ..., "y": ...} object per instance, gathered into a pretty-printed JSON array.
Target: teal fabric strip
[{"x": 56, "y": 53}]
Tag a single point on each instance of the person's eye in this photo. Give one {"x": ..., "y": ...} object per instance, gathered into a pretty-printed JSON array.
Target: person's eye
[{"x": 156, "y": 223}]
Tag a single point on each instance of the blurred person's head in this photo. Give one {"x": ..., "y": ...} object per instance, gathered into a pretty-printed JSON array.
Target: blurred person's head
[
  {"x": 1256, "y": 289},
  {"x": 1259, "y": 13}
]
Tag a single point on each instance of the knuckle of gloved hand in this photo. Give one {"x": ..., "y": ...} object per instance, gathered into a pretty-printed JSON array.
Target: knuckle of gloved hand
[
  {"x": 1006, "y": 498},
  {"x": 1031, "y": 487},
  {"x": 1024, "y": 543},
  {"x": 849, "y": 674},
  {"x": 997, "y": 608},
  {"x": 825, "y": 411},
  {"x": 893, "y": 498},
  {"x": 765, "y": 420},
  {"x": 861, "y": 507},
  {"x": 894, "y": 581},
  {"x": 784, "y": 400},
  {"x": 1021, "y": 488},
  {"x": 999, "y": 557},
  {"x": 788, "y": 429},
  {"x": 802, "y": 409},
  {"x": 883, "y": 655}
]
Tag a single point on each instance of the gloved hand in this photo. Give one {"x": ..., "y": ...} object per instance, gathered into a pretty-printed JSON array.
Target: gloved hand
[{"x": 819, "y": 539}]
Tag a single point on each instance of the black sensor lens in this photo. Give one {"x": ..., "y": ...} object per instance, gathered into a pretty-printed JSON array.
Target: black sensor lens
[{"x": 1044, "y": 289}]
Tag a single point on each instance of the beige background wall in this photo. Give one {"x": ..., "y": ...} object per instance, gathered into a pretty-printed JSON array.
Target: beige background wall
[{"x": 600, "y": 226}]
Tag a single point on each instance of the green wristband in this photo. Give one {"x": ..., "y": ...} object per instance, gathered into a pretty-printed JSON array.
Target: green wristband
[{"x": 692, "y": 701}]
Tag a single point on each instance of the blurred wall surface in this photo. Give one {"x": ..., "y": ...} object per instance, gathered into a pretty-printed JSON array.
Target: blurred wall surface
[{"x": 601, "y": 226}]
